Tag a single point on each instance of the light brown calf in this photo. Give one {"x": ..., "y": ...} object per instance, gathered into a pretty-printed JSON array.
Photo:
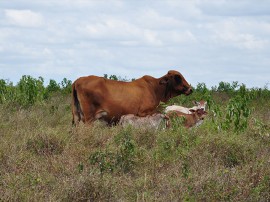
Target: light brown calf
[{"x": 193, "y": 119}]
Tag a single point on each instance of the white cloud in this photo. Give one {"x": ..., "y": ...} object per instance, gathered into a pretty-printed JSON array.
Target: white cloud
[
  {"x": 244, "y": 41},
  {"x": 181, "y": 37},
  {"x": 234, "y": 8},
  {"x": 239, "y": 33},
  {"x": 151, "y": 19},
  {"x": 110, "y": 28},
  {"x": 124, "y": 32},
  {"x": 186, "y": 9},
  {"x": 24, "y": 18},
  {"x": 151, "y": 38},
  {"x": 132, "y": 38}
]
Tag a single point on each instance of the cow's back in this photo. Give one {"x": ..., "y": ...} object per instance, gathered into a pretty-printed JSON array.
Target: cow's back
[{"x": 116, "y": 98}]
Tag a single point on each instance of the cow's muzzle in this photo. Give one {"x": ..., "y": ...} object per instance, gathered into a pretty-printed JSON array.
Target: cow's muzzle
[{"x": 188, "y": 91}]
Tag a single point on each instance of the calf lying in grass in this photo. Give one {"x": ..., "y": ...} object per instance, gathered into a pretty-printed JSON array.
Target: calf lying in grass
[
  {"x": 150, "y": 122},
  {"x": 198, "y": 105},
  {"x": 194, "y": 119}
]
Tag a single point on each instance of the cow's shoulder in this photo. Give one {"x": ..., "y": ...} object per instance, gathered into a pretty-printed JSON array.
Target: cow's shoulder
[
  {"x": 146, "y": 81},
  {"x": 89, "y": 82},
  {"x": 148, "y": 78},
  {"x": 87, "y": 79}
]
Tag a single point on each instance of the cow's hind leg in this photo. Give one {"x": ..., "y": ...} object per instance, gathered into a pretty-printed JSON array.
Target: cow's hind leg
[
  {"x": 87, "y": 110},
  {"x": 88, "y": 114}
]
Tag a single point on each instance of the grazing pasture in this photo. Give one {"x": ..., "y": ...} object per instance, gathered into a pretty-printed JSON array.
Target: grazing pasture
[{"x": 44, "y": 158}]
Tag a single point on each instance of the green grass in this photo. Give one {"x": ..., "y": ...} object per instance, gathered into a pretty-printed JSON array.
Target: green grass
[{"x": 42, "y": 158}]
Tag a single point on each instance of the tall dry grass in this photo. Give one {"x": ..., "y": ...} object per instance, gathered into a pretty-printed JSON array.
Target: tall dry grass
[{"x": 42, "y": 158}]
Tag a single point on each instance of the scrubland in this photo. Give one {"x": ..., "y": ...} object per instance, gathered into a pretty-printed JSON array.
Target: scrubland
[{"x": 44, "y": 158}]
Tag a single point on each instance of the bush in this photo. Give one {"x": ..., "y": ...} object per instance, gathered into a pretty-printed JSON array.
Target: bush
[
  {"x": 123, "y": 159},
  {"x": 53, "y": 86},
  {"x": 30, "y": 90}
]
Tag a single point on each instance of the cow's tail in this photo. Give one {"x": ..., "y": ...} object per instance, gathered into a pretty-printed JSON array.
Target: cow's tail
[{"x": 76, "y": 107}]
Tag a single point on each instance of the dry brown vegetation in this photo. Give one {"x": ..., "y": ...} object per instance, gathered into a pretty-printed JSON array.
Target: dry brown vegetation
[{"x": 42, "y": 158}]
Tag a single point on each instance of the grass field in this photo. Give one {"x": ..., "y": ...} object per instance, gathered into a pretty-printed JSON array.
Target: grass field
[{"x": 227, "y": 158}]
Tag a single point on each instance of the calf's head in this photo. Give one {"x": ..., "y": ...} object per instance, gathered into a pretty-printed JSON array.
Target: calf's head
[
  {"x": 175, "y": 84},
  {"x": 199, "y": 113},
  {"x": 200, "y": 104}
]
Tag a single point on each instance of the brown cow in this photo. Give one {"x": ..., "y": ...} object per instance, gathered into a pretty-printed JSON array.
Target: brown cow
[{"x": 100, "y": 98}]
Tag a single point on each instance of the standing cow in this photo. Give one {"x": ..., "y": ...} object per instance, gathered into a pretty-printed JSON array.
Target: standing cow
[{"x": 100, "y": 98}]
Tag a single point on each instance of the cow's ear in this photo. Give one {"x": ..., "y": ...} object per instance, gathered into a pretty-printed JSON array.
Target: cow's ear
[
  {"x": 192, "y": 110},
  {"x": 164, "y": 80},
  {"x": 178, "y": 79}
]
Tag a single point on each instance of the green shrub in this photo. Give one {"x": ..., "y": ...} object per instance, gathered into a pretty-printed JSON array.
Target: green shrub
[
  {"x": 3, "y": 90},
  {"x": 238, "y": 111},
  {"x": 123, "y": 159},
  {"x": 126, "y": 154},
  {"x": 66, "y": 86},
  {"x": 227, "y": 87},
  {"x": 104, "y": 160},
  {"x": 53, "y": 86},
  {"x": 30, "y": 90}
]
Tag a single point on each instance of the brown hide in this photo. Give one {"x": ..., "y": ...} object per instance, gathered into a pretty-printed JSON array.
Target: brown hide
[
  {"x": 190, "y": 119},
  {"x": 99, "y": 98}
]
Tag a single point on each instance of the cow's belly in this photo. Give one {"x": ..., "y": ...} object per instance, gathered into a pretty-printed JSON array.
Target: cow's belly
[
  {"x": 116, "y": 106},
  {"x": 114, "y": 112}
]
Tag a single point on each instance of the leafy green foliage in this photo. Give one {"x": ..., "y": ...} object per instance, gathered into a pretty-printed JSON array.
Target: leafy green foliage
[
  {"x": 123, "y": 159},
  {"x": 53, "y": 86},
  {"x": 3, "y": 90},
  {"x": 29, "y": 90},
  {"x": 66, "y": 86},
  {"x": 105, "y": 161},
  {"x": 226, "y": 87}
]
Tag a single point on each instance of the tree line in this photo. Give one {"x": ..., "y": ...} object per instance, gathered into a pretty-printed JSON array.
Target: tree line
[{"x": 30, "y": 90}]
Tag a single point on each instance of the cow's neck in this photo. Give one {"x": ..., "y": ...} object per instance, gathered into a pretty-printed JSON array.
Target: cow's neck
[{"x": 163, "y": 92}]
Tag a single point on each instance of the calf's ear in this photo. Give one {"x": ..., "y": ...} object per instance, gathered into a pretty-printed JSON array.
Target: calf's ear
[
  {"x": 192, "y": 110},
  {"x": 195, "y": 102}
]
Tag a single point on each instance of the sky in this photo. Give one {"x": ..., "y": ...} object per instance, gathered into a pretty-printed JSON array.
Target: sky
[{"x": 208, "y": 41}]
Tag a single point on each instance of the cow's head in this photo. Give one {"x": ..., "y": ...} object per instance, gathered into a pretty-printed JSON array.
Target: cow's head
[{"x": 175, "y": 84}]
